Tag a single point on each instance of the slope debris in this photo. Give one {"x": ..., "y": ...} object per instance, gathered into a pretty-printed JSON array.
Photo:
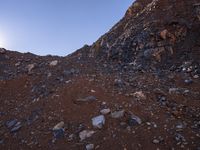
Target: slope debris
[{"x": 136, "y": 87}]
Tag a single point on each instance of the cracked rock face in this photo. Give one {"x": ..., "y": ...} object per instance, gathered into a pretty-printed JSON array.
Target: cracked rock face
[{"x": 150, "y": 34}]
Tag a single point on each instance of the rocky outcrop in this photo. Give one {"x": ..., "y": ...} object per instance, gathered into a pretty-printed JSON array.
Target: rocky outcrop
[{"x": 152, "y": 33}]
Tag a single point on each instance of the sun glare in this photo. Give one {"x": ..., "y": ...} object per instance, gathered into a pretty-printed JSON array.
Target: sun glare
[{"x": 2, "y": 41}]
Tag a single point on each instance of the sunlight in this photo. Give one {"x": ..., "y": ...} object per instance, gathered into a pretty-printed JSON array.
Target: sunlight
[{"x": 2, "y": 41}]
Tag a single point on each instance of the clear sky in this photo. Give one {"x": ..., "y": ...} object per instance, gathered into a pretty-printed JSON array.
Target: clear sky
[{"x": 56, "y": 27}]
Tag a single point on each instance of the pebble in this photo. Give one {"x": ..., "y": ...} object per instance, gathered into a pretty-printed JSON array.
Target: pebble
[
  {"x": 140, "y": 95},
  {"x": 59, "y": 133},
  {"x": 174, "y": 91},
  {"x": 156, "y": 141},
  {"x": 179, "y": 137},
  {"x": 93, "y": 91},
  {"x": 162, "y": 100},
  {"x": 103, "y": 103},
  {"x": 68, "y": 81},
  {"x": 17, "y": 64},
  {"x": 53, "y": 63},
  {"x": 105, "y": 111},
  {"x": 87, "y": 99},
  {"x": 60, "y": 125},
  {"x": 30, "y": 67},
  {"x": 11, "y": 123},
  {"x": 16, "y": 128},
  {"x": 188, "y": 81},
  {"x": 180, "y": 126},
  {"x": 85, "y": 134},
  {"x": 148, "y": 123},
  {"x": 134, "y": 120},
  {"x": 117, "y": 114},
  {"x": 196, "y": 76},
  {"x": 98, "y": 121},
  {"x": 89, "y": 146},
  {"x": 118, "y": 82}
]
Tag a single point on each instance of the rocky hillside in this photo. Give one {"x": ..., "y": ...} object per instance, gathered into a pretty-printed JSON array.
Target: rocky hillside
[
  {"x": 137, "y": 87},
  {"x": 153, "y": 32}
]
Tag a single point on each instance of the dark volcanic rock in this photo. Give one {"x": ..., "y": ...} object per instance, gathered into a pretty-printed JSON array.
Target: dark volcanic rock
[
  {"x": 147, "y": 38},
  {"x": 11, "y": 123}
]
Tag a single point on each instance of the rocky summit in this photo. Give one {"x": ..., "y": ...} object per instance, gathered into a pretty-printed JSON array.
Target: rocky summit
[{"x": 137, "y": 87}]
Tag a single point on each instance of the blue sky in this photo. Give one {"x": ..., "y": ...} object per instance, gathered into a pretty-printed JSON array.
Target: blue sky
[{"x": 56, "y": 27}]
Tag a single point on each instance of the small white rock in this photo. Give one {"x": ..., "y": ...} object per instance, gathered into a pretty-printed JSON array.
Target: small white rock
[
  {"x": 196, "y": 76},
  {"x": 155, "y": 141},
  {"x": 89, "y": 146},
  {"x": 93, "y": 91},
  {"x": 98, "y": 121},
  {"x": 85, "y": 134},
  {"x": 174, "y": 91},
  {"x": 105, "y": 111},
  {"x": 30, "y": 67},
  {"x": 53, "y": 63},
  {"x": 117, "y": 114},
  {"x": 140, "y": 95},
  {"x": 60, "y": 125}
]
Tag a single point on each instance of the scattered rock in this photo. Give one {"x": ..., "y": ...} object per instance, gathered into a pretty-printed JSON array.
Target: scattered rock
[
  {"x": 174, "y": 91},
  {"x": 118, "y": 82},
  {"x": 105, "y": 111},
  {"x": 188, "y": 81},
  {"x": 98, "y": 121},
  {"x": 34, "y": 114},
  {"x": 11, "y": 123},
  {"x": 89, "y": 146},
  {"x": 180, "y": 126},
  {"x": 162, "y": 100},
  {"x": 59, "y": 133},
  {"x": 196, "y": 76},
  {"x": 139, "y": 95},
  {"x": 59, "y": 126},
  {"x": 85, "y": 134},
  {"x": 18, "y": 64},
  {"x": 134, "y": 120},
  {"x": 2, "y": 50},
  {"x": 156, "y": 141},
  {"x": 87, "y": 99},
  {"x": 16, "y": 128},
  {"x": 53, "y": 63},
  {"x": 93, "y": 91},
  {"x": 30, "y": 67},
  {"x": 179, "y": 137},
  {"x": 71, "y": 71},
  {"x": 118, "y": 114}
]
